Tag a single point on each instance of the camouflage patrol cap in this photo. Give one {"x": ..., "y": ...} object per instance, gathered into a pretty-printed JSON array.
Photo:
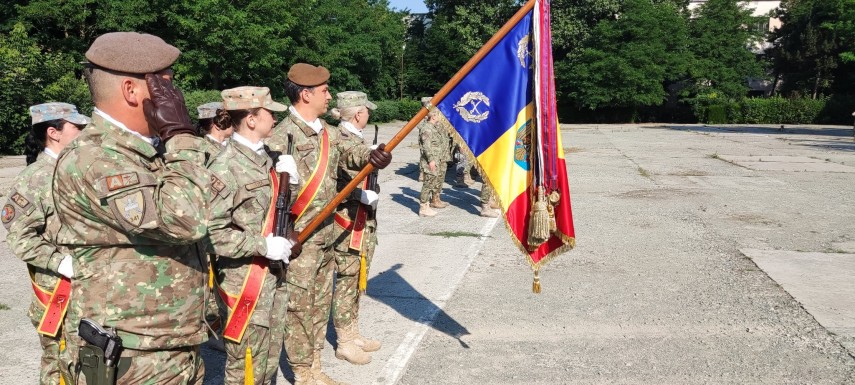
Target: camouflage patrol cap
[
  {"x": 209, "y": 110},
  {"x": 307, "y": 75},
  {"x": 52, "y": 111},
  {"x": 131, "y": 52},
  {"x": 354, "y": 99},
  {"x": 244, "y": 98}
]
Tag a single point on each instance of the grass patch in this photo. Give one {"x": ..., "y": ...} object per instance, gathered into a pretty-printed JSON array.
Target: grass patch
[
  {"x": 455, "y": 234},
  {"x": 643, "y": 172},
  {"x": 713, "y": 156},
  {"x": 4, "y": 306}
]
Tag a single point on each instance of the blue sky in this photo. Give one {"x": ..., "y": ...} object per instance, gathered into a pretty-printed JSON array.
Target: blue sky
[{"x": 415, "y": 6}]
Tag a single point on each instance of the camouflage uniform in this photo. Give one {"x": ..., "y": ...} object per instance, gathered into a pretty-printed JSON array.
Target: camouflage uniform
[
  {"x": 345, "y": 306},
  {"x": 29, "y": 217},
  {"x": 210, "y": 147},
  {"x": 132, "y": 220},
  {"x": 310, "y": 275},
  {"x": 242, "y": 197},
  {"x": 434, "y": 142}
]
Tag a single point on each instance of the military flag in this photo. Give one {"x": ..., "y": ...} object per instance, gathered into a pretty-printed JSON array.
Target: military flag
[{"x": 504, "y": 111}]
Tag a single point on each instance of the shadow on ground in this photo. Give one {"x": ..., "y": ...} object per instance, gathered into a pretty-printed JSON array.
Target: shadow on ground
[{"x": 790, "y": 130}]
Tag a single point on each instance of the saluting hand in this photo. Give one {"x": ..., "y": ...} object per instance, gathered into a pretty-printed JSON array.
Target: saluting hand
[{"x": 166, "y": 112}]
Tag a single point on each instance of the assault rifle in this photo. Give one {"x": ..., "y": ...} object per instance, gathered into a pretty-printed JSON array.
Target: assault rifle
[{"x": 282, "y": 223}]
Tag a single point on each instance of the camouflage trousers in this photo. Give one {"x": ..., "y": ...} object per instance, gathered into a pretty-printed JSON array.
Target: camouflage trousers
[
  {"x": 309, "y": 280},
  {"x": 345, "y": 303},
  {"x": 432, "y": 185},
  {"x": 486, "y": 193},
  {"x": 49, "y": 368},
  {"x": 162, "y": 367},
  {"x": 264, "y": 344}
]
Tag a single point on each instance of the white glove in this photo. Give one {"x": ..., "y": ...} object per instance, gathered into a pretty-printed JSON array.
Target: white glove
[
  {"x": 374, "y": 146},
  {"x": 287, "y": 164},
  {"x": 278, "y": 248},
  {"x": 369, "y": 197},
  {"x": 65, "y": 267}
]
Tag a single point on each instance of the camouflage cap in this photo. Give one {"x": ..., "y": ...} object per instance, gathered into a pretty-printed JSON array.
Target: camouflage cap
[
  {"x": 354, "y": 99},
  {"x": 52, "y": 111},
  {"x": 426, "y": 100},
  {"x": 244, "y": 98},
  {"x": 131, "y": 52},
  {"x": 307, "y": 75},
  {"x": 209, "y": 110}
]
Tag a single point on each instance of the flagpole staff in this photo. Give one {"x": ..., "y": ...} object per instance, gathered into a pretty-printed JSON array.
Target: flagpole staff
[{"x": 330, "y": 207}]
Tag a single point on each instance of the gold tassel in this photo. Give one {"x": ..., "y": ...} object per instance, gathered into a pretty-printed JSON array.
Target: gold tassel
[
  {"x": 249, "y": 376},
  {"x": 554, "y": 197},
  {"x": 210, "y": 276},
  {"x": 535, "y": 286},
  {"x": 363, "y": 273},
  {"x": 538, "y": 225},
  {"x": 61, "y": 349}
]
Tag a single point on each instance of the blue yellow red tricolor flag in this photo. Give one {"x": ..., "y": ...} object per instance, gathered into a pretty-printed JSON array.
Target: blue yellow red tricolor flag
[{"x": 504, "y": 111}]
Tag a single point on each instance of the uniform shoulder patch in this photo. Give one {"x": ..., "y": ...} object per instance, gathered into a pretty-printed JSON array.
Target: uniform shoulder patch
[
  {"x": 257, "y": 184},
  {"x": 118, "y": 181},
  {"x": 217, "y": 184},
  {"x": 8, "y": 213},
  {"x": 20, "y": 200},
  {"x": 132, "y": 207}
]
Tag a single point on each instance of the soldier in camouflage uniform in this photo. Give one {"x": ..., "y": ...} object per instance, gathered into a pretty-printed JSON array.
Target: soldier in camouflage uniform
[
  {"x": 133, "y": 217},
  {"x": 216, "y": 136},
  {"x": 29, "y": 217},
  {"x": 310, "y": 275},
  {"x": 241, "y": 221},
  {"x": 355, "y": 236},
  {"x": 434, "y": 142}
]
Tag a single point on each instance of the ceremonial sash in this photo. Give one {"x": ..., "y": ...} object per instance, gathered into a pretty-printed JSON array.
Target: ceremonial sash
[
  {"x": 55, "y": 303},
  {"x": 243, "y": 305},
  {"x": 357, "y": 226},
  {"x": 310, "y": 189}
]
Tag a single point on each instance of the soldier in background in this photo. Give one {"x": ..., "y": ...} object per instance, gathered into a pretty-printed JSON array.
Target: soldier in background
[
  {"x": 30, "y": 218},
  {"x": 131, "y": 194},
  {"x": 317, "y": 152},
  {"x": 242, "y": 208},
  {"x": 434, "y": 142},
  {"x": 355, "y": 235},
  {"x": 215, "y": 134}
]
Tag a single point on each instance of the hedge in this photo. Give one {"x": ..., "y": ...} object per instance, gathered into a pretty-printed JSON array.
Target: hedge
[{"x": 825, "y": 110}]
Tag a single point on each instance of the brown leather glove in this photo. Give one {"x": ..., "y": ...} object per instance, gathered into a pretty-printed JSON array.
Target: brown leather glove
[
  {"x": 297, "y": 248},
  {"x": 379, "y": 158},
  {"x": 166, "y": 112}
]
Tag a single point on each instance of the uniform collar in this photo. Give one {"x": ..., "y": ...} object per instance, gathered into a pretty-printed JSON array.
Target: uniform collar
[
  {"x": 122, "y": 136},
  {"x": 51, "y": 154},
  {"x": 315, "y": 125},
  {"x": 350, "y": 127},
  {"x": 215, "y": 141},
  {"x": 121, "y": 125},
  {"x": 255, "y": 152},
  {"x": 309, "y": 131}
]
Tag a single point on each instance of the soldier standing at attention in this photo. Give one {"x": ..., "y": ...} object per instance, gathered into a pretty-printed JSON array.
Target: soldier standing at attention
[
  {"x": 29, "y": 217},
  {"x": 131, "y": 194},
  {"x": 216, "y": 136},
  {"x": 434, "y": 142},
  {"x": 244, "y": 186},
  {"x": 317, "y": 150},
  {"x": 355, "y": 235}
]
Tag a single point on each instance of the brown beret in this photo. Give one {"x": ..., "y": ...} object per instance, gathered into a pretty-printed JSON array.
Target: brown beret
[
  {"x": 131, "y": 52},
  {"x": 307, "y": 75}
]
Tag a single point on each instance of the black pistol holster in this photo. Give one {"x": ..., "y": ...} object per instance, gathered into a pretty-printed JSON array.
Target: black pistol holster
[{"x": 98, "y": 360}]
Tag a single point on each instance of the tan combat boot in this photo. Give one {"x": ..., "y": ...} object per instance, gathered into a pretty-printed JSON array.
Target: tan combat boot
[
  {"x": 436, "y": 203},
  {"x": 493, "y": 204},
  {"x": 425, "y": 210},
  {"x": 467, "y": 179},
  {"x": 366, "y": 344},
  {"x": 303, "y": 375},
  {"x": 320, "y": 377},
  {"x": 421, "y": 176},
  {"x": 347, "y": 348},
  {"x": 486, "y": 211}
]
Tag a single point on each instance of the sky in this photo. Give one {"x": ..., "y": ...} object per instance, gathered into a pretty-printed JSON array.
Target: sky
[{"x": 415, "y": 6}]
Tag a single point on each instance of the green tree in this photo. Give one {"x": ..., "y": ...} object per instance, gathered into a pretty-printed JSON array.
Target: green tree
[{"x": 630, "y": 57}]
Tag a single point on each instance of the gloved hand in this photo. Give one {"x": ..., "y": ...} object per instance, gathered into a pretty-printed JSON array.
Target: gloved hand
[
  {"x": 287, "y": 164},
  {"x": 370, "y": 198},
  {"x": 65, "y": 267},
  {"x": 278, "y": 248},
  {"x": 166, "y": 112},
  {"x": 296, "y": 246},
  {"x": 379, "y": 157}
]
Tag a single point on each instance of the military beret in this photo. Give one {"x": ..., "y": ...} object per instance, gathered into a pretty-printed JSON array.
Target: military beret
[
  {"x": 209, "y": 110},
  {"x": 244, "y": 98},
  {"x": 131, "y": 52},
  {"x": 307, "y": 75},
  {"x": 52, "y": 111},
  {"x": 354, "y": 99}
]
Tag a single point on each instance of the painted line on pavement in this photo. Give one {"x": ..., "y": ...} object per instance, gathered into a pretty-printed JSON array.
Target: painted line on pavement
[{"x": 394, "y": 368}]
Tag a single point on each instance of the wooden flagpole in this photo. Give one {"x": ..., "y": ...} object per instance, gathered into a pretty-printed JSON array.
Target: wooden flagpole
[{"x": 485, "y": 49}]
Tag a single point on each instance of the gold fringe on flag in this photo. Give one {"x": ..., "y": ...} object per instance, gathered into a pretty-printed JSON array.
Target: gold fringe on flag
[
  {"x": 249, "y": 376},
  {"x": 535, "y": 286},
  {"x": 363, "y": 273}
]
